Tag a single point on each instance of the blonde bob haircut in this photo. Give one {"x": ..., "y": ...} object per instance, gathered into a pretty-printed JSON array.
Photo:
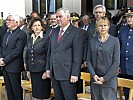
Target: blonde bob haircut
[{"x": 102, "y": 20}]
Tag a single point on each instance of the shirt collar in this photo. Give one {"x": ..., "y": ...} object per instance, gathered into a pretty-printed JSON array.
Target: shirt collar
[
  {"x": 8, "y": 30},
  {"x": 65, "y": 28},
  {"x": 40, "y": 35},
  {"x": 22, "y": 27}
]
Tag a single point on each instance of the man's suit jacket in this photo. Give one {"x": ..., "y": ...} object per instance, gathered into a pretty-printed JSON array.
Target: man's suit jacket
[
  {"x": 12, "y": 52},
  {"x": 65, "y": 56},
  {"x": 36, "y": 54}
]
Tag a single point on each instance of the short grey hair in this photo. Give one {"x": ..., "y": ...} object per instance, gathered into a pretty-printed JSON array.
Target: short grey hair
[
  {"x": 99, "y": 6},
  {"x": 65, "y": 10},
  {"x": 16, "y": 18}
]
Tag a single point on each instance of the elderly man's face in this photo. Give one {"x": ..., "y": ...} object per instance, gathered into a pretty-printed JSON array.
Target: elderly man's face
[
  {"x": 11, "y": 23},
  {"x": 62, "y": 18},
  {"x": 99, "y": 13},
  {"x": 130, "y": 20}
]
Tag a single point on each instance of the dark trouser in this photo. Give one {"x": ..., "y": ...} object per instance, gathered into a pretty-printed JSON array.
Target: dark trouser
[
  {"x": 126, "y": 90},
  {"x": 13, "y": 85},
  {"x": 64, "y": 89},
  {"x": 79, "y": 86}
]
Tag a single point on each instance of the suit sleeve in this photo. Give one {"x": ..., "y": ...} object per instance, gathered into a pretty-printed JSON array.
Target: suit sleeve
[
  {"x": 77, "y": 48},
  {"x": 113, "y": 71},
  {"x": 18, "y": 50},
  {"x": 48, "y": 56}
]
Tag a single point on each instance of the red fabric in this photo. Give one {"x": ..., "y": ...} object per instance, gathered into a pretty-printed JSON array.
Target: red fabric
[{"x": 60, "y": 34}]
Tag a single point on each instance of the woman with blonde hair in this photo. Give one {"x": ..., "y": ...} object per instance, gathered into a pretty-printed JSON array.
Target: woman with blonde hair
[{"x": 103, "y": 60}]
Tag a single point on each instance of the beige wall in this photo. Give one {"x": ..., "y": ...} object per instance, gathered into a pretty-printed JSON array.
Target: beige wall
[{"x": 72, "y": 5}]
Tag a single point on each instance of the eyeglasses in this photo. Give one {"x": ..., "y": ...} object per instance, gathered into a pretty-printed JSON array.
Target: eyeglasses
[
  {"x": 98, "y": 12},
  {"x": 9, "y": 20},
  {"x": 53, "y": 19},
  {"x": 59, "y": 16}
]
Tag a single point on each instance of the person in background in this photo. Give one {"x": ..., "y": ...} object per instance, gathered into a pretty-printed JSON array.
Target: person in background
[
  {"x": 86, "y": 22},
  {"x": 122, "y": 22},
  {"x": 64, "y": 57},
  {"x": 75, "y": 19},
  {"x": 34, "y": 14},
  {"x": 53, "y": 24},
  {"x": 53, "y": 21},
  {"x": 11, "y": 58},
  {"x": 22, "y": 25},
  {"x": 118, "y": 15},
  {"x": 126, "y": 44},
  {"x": 103, "y": 59},
  {"x": 100, "y": 11},
  {"x": 36, "y": 60}
]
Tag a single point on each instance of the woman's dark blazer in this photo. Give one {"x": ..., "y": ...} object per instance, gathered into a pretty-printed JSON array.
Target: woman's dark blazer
[{"x": 36, "y": 54}]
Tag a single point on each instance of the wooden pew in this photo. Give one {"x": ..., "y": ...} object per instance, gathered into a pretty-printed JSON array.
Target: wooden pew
[{"x": 122, "y": 82}]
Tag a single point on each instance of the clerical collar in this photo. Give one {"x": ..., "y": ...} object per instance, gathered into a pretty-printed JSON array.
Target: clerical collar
[{"x": 8, "y": 30}]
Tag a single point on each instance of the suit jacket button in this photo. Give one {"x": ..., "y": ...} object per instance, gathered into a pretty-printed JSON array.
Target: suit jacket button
[
  {"x": 33, "y": 63},
  {"x": 31, "y": 51}
]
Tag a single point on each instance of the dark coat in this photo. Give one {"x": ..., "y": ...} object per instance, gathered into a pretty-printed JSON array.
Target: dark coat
[
  {"x": 12, "y": 52},
  {"x": 65, "y": 56},
  {"x": 36, "y": 54}
]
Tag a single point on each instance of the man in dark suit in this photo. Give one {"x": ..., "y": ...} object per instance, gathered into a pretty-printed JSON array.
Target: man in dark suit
[
  {"x": 11, "y": 58},
  {"x": 65, "y": 57}
]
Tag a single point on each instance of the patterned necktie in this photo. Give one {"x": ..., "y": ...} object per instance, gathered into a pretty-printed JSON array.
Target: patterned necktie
[{"x": 60, "y": 34}]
